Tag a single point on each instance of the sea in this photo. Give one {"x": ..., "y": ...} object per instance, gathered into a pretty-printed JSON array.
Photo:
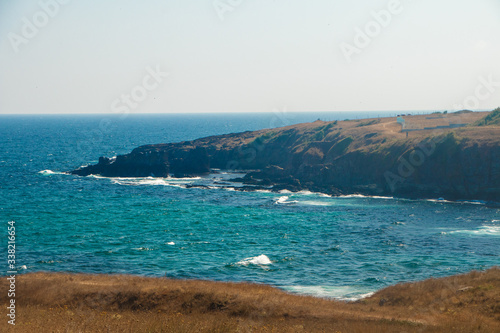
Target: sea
[{"x": 344, "y": 247}]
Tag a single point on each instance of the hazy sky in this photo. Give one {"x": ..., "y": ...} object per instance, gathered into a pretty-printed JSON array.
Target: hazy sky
[{"x": 248, "y": 55}]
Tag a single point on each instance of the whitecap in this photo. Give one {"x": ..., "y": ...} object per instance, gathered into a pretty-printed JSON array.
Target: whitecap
[
  {"x": 259, "y": 260},
  {"x": 305, "y": 192},
  {"x": 139, "y": 181},
  {"x": 170, "y": 243},
  {"x": 316, "y": 203},
  {"x": 482, "y": 231},
  {"x": 50, "y": 173},
  {"x": 284, "y": 200},
  {"x": 183, "y": 178},
  {"x": 97, "y": 176},
  {"x": 360, "y": 196}
]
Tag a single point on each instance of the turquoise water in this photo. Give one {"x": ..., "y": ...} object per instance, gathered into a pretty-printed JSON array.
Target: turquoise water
[{"x": 309, "y": 243}]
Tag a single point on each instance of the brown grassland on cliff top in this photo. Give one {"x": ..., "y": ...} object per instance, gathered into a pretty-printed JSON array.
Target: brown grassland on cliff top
[
  {"x": 48, "y": 302},
  {"x": 366, "y": 133}
]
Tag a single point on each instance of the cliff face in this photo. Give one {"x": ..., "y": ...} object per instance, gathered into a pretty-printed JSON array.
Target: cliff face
[
  {"x": 368, "y": 157},
  {"x": 177, "y": 159}
]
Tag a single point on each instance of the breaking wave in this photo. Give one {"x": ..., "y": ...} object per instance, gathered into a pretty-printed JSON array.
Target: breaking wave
[{"x": 259, "y": 260}]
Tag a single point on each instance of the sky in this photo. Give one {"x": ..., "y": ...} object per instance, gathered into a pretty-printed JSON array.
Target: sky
[{"x": 166, "y": 56}]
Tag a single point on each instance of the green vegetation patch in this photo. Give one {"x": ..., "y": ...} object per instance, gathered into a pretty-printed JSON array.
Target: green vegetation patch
[
  {"x": 322, "y": 132},
  {"x": 493, "y": 118},
  {"x": 369, "y": 122},
  {"x": 340, "y": 147}
]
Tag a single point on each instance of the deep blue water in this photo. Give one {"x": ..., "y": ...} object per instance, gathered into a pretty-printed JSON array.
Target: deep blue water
[{"x": 304, "y": 242}]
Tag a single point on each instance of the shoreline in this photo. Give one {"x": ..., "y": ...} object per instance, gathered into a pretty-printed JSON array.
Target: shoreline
[{"x": 265, "y": 189}]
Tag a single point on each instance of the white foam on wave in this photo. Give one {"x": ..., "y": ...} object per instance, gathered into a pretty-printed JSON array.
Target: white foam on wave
[
  {"x": 305, "y": 192},
  {"x": 259, "y": 260},
  {"x": 316, "y": 203},
  {"x": 142, "y": 249},
  {"x": 50, "y": 173},
  {"x": 284, "y": 200},
  {"x": 360, "y": 196},
  {"x": 482, "y": 231},
  {"x": 470, "y": 202},
  {"x": 149, "y": 181},
  {"x": 97, "y": 177},
  {"x": 183, "y": 178},
  {"x": 343, "y": 293},
  {"x": 140, "y": 181}
]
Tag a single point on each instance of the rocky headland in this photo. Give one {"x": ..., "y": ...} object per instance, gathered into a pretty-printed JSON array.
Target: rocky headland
[{"x": 455, "y": 156}]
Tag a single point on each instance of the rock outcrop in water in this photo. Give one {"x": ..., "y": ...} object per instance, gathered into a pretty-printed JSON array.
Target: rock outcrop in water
[{"x": 372, "y": 157}]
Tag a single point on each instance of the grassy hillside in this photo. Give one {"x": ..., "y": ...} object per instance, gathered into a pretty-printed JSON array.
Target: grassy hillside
[
  {"x": 101, "y": 303},
  {"x": 491, "y": 119}
]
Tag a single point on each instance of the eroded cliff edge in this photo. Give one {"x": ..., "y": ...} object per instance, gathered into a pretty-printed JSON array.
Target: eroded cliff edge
[{"x": 453, "y": 156}]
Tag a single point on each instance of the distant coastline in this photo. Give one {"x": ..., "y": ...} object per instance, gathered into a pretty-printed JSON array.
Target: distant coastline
[{"x": 451, "y": 156}]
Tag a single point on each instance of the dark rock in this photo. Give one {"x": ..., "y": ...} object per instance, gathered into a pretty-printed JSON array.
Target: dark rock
[{"x": 464, "y": 166}]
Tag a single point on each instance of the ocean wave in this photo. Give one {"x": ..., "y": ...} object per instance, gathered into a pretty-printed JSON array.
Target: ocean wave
[
  {"x": 150, "y": 181},
  {"x": 142, "y": 249},
  {"x": 482, "y": 231},
  {"x": 284, "y": 200},
  {"x": 470, "y": 202},
  {"x": 98, "y": 177},
  {"x": 361, "y": 196},
  {"x": 183, "y": 178},
  {"x": 316, "y": 203},
  {"x": 259, "y": 260},
  {"x": 50, "y": 173},
  {"x": 343, "y": 293},
  {"x": 305, "y": 192}
]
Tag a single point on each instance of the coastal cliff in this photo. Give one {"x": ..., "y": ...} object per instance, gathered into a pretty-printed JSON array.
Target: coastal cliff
[{"x": 454, "y": 156}]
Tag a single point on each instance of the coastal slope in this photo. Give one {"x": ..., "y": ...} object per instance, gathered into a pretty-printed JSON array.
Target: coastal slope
[
  {"x": 59, "y": 302},
  {"x": 454, "y": 156}
]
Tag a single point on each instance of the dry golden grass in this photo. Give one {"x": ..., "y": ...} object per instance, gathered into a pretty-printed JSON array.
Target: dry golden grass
[{"x": 101, "y": 303}]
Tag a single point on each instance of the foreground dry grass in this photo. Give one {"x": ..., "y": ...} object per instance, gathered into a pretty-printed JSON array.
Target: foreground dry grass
[{"x": 101, "y": 303}]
